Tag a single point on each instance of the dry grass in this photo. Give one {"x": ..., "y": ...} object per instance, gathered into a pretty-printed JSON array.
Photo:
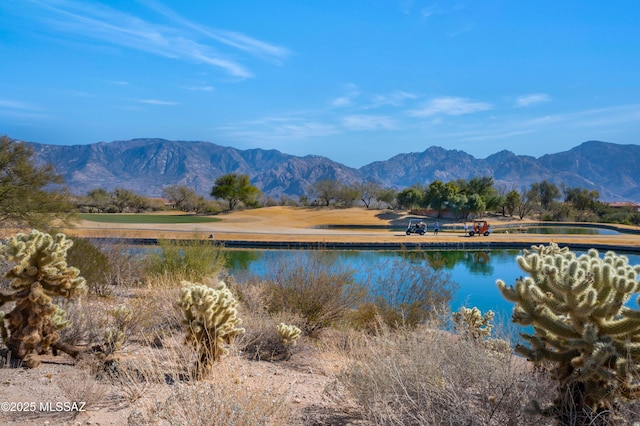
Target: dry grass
[
  {"x": 431, "y": 377},
  {"x": 312, "y": 287},
  {"x": 423, "y": 376},
  {"x": 160, "y": 387}
]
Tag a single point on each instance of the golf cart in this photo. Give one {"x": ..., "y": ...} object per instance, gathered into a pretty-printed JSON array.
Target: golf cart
[
  {"x": 480, "y": 227},
  {"x": 416, "y": 228}
]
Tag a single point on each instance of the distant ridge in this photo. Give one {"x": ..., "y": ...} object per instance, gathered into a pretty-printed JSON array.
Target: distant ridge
[{"x": 147, "y": 165}]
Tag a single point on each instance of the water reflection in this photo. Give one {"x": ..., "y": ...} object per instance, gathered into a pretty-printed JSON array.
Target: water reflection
[
  {"x": 571, "y": 230},
  {"x": 241, "y": 260},
  {"x": 473, "y": 272}
]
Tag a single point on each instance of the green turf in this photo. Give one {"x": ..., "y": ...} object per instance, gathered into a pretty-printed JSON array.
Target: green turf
[{"x": 145, "y": 218}]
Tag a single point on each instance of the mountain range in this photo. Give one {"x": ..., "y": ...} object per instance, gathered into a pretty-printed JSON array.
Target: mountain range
[{"x": 145, "y": 166}]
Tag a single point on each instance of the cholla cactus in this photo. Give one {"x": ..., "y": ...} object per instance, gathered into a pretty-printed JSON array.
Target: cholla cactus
[
  {"x": 40, "y": 273},
  {"x": 116, "y": 335},
  {"x": 576, "y": 306},
  {"x": 114, "y": 338},
  {"x": 211, "y": 319},
  {"x": 288, "y": 333},
  {"x": 122, "y": 316},
  {"x": 470, "y": 323}
]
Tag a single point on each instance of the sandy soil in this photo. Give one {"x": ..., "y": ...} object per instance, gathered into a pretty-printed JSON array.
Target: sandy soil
[{"x": 58, "y": 392}]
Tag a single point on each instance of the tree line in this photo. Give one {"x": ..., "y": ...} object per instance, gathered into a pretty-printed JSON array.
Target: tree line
[
  {"x": 463, "y": 198},
  {"x": 36, "y": 196}
]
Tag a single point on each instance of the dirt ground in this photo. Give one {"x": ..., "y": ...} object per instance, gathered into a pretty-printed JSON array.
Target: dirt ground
[
  {"x": 59, "y": 392},
  {"x": 46, "y": 395}
]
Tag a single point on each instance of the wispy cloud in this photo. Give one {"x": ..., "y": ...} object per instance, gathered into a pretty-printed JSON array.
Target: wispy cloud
[
  {"x": 427, "y": 11},
  {"x": 78, "y": 94},
  {"x": 170, "y": 40},
  {"x": 18, "y": 109},
  {"x": 600, "y": 117},
  {"x": 449, "y": 106},
  {"x": 481, "y": 136},
  {"x": 369, "y": 122},
  {"x": 230, "y": 38},
  {"x": 17, "y": 105},
  {"x": 279, "y": 129},
  {"x": 535, "y": 98},
  {"x": 395, "y": 98},
  {"x": 358, "y": 100},
  {"x": 341, "y": 101},
  {"x": 353, "y": 92},
  {"x": 156, "y": 102},
  {"x": 462, "y": 29},
  {"x": 200, "y": 88}
]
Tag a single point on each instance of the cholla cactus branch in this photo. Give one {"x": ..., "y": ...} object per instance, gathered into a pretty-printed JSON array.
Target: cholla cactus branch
[
  {"x": 288, "y": 333},
  {"x": 577, "y": 307},
  {"x": 211, "y": 320},
  {"x": 39, "y": 274},
  {"x": 470, "y": 323}
]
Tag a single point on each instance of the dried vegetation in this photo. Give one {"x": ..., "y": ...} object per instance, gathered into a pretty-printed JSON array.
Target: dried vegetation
[{"x": 402, "y": 363}]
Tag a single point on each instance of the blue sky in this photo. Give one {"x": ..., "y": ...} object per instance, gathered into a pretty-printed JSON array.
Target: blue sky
[{"x": 356, "y": 81}]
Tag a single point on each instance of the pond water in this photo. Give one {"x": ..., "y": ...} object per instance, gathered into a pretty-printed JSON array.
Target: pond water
[
  {"x": 529, "y": 229},
  {"x": 474, "y": 272},
  {"x": 577, "y": 230}
]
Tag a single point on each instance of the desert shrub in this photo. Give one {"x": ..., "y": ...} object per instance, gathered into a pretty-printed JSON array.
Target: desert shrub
[
  {"x": 148, "y": 370},
  {"x": 80, "y": 385},
  {"x": 126, "y": 265},
  {"x": 622, "y": 217},
  {"x": 107, "y": 266},
  {"x": 146, "y": 316},
  {"x": 313, "y": 286},
  {"x": 155, "y": 307},
  {"x": 87, "y": 322},
  {"x": 166, "y": 391},
  {"x": 366, "y": 317},
  {"x": 95, "y": 265},
  {"x": 191, "y": 260},
  {"x": 409, "y": 294},
  {"x": 426, "y": 376},
  {"x": 262, "y": 340},
  {"x": 252, "y": 294},
  {"x": 220, "y": 403},
  {"x": 583, "y": 327},
  {"x": 103, "y": 328}
]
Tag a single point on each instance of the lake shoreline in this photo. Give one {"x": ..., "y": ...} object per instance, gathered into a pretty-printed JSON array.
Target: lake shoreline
[{"x": 391, "y": 246}]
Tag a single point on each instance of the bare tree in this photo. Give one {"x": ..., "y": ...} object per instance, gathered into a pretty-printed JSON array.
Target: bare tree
[
  {"x": 182, "y": 197},
  {"x": 528, "y": 201},
  {"x": 326, "y": 190},
  {"x": 369, "y": 190},
  {"x": 125, "y": 200}
]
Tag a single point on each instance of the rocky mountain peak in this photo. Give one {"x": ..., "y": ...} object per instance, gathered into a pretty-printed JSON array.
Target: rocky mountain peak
[{"x": 146, "y": 165}]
